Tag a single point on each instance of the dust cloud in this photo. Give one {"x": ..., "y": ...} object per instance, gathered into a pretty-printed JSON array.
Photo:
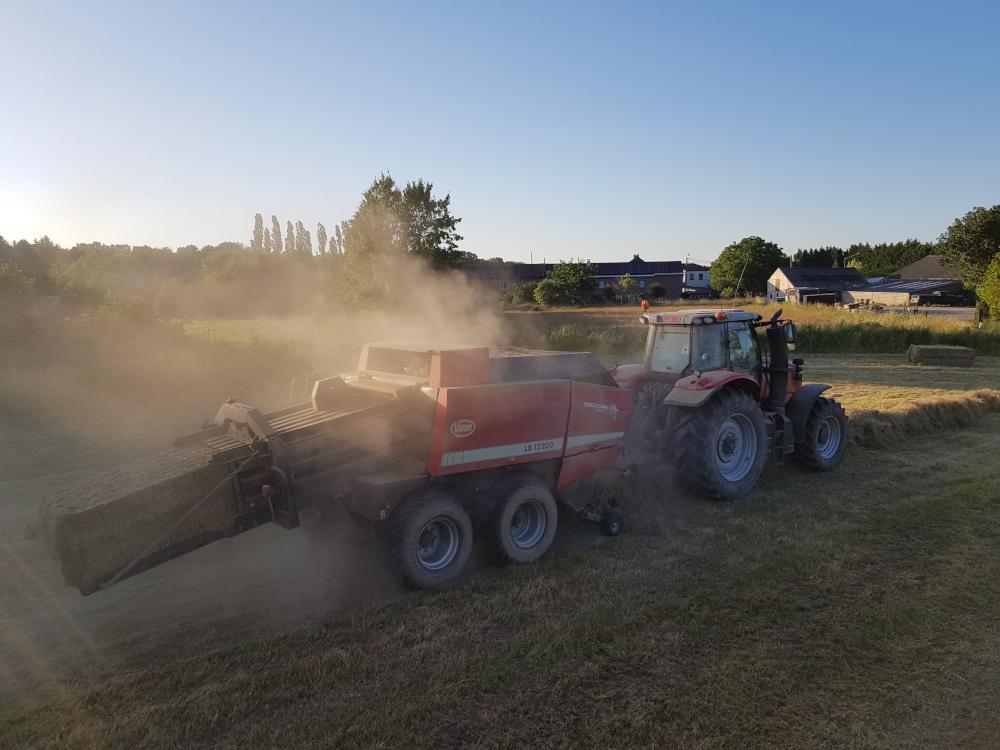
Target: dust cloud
[{"x": 79, "y": 397}]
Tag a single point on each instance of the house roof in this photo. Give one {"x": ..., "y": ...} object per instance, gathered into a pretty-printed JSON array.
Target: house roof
[
  {"x": 823, "y": 278},
  {"x": 536, "y": 271},
  {"x": 507, "y": 271},
  {"x": 638, "y": 267},
  {"x": 914, "y": 286},
  {"x": 928, "y": 267},
  {"x": 695, "y": 267}
]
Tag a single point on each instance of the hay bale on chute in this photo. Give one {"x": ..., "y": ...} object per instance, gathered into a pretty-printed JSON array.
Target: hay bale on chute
[{"x": 97, "y": 527}]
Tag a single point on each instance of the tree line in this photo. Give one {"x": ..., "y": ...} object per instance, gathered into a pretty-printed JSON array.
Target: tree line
[
  {"x": 278, "y": 272},
  {"x": 281, "y": 271},
  {"x": 298, "y": 239},
  {"x": 970, "y": 244}
]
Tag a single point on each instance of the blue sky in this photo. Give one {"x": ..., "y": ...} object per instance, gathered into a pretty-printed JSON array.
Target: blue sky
[{"x": 560, "y": 129}]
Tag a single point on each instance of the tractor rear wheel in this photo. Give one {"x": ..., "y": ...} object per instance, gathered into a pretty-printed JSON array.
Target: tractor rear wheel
[
  {"x": 720, "y": 447},
  {"x": 825, "y": 436},
  {"x": 430, "y": 539},
  {"x": 525, "y": 519}
]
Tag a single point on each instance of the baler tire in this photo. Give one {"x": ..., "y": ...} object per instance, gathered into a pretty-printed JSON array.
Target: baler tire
[
  {"x": 525, "y": 540},
  {"x": 825, "y": 436},
  {"x": 695, "y": 444},
  {"x": 429, "y": 515},
  {"x": 612, "y": 522}
]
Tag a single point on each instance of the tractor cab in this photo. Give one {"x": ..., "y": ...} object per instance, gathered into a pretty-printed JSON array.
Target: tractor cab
[{"x": 682, "y": 343}]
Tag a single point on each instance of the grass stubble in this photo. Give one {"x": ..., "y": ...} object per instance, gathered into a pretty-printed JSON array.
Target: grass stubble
[{"x": 854, "y": 609}]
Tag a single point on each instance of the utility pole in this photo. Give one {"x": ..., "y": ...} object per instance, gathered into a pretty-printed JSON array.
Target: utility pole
[{"x": 745, "y": 263}]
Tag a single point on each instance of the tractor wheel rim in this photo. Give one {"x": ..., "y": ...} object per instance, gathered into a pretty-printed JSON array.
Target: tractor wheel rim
[
  {"x": 528, "y": 524},
  {"x": 736, "y": 448},
  {"x": 828, "y": 438},
  {"x": 438, "y": 543}
]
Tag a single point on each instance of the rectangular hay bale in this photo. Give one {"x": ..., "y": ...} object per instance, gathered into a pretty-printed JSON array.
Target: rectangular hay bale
[
  {"x": 944, "y": 356},
  {"x": 97, "y": 527}
]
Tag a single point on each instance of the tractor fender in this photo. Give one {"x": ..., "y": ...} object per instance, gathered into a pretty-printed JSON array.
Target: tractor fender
[
  {"x": 800, "y": 404},
  {"x": 694, "y": 390}
]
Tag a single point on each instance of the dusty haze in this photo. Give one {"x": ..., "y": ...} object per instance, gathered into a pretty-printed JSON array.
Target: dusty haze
[{"x": 78, "y": 397}]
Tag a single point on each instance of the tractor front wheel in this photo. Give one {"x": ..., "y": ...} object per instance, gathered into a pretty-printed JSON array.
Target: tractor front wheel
[
  {"x": 720, "y": 447},
  {"x": 430, "y": 539},
  {"x": 825, "y": 436}
]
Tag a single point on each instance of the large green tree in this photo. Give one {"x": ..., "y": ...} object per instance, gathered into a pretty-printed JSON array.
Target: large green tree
[
  {"x": 257, "y": 240},
  {"x": 431, "y": 230},
  {"x": 275, "y": 235},
  {"x": 391, "y": 221},
  {"x": 321, "y": 238},
  {"x": 972, "y": 242},
  {"x": 567, "y": 284},
  {"x": 746, "y": 265},
  {"x": 989, "y": 287}
]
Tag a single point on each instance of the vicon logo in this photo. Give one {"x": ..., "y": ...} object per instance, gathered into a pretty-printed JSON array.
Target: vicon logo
[{"x": 463, "y": 428}]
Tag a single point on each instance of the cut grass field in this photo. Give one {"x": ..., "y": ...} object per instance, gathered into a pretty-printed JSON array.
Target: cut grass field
[
  {"x": 853, "y": 609},
  {"x": 889, "y": 400},
  {"x": 857, "y": 609}
]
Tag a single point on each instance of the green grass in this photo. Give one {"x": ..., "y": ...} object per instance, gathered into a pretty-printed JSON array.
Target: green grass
[
  {"x": 820, "y": 329},
  {"x": 857, "y": 609}
]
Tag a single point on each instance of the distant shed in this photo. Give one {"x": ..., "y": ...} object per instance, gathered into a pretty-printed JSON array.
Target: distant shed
[
  {"x": 901, "y": 292},
  {"x": 805, "y": 284},
  {"x": 928, "y": 267}
]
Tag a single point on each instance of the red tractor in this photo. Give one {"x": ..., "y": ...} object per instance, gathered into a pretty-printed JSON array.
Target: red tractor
[{"x": 729, "y": 407}]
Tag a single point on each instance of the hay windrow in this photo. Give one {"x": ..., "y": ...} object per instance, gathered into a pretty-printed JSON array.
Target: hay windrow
[
  {"x": 880, "y": 429},
  {"x": 95, "y": 528}
]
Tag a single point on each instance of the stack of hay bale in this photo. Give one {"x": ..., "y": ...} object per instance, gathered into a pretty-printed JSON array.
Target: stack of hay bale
[
  {"x": 941, "y": 356},
  {"x": 98, "y": 527}
]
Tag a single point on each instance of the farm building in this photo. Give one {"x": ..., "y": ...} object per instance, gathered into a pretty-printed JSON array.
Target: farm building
[
  {"x": 903, "y": 292},
  {"x": 806, "y": 284},
  {"x": 505, "y": 277},
  {"x": 928, "y": 267},
  {"x": 929, "y": 281}
]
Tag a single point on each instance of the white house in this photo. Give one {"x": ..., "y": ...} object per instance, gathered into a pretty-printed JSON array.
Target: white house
[{"x": 695, "y": 276}]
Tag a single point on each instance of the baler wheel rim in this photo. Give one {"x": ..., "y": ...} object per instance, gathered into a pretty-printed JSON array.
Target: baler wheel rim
[
  {"x": 429, "y": 539},
  {"x": 438, "y": 542},
  {"x": 524, "y": 519},
  {"x": 528, "y": 524}
]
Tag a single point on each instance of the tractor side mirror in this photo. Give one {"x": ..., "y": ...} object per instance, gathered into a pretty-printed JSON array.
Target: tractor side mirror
[{"x": 790, "y": 336}]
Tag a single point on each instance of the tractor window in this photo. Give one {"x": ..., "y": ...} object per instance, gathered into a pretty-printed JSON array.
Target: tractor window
[
  {"x": 743, "y": 348},
  {"x": 671, "y": 349},
  {"x": 709, "y": 347}
]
